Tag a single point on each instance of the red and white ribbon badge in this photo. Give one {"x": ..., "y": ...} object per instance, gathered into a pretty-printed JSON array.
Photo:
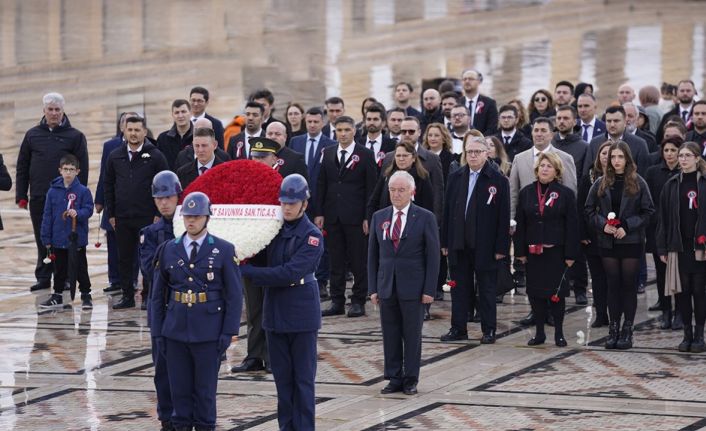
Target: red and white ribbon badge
[
  {"x": 72, "y": 198},
  {"x": 380, "y": 156},
  {"x": 385, "y": 230},
  {"x": 493, "y": 191},
  {"x": 278, "y": 164},
  {"x": 239, "y": 147},
  {"x": 352, "y": 162},
  {"x": 692, "y": 199},
  {"x": 553, "y": 196}
]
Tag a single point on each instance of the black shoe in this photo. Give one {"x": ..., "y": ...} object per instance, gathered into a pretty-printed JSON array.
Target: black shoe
[
  {"x": 454, "y": 335},
  {"x": 581, "y": 299},
  {"x": 113, "y": 289},
  {"x": 528, "y": 320},
  {"x": 56, "y": 300},
  {"x": 666, "y": 320},
  {"x": 625, "y": 340},
  {"x": 427, "y": 314},
  {"x": 391, "y": 389},
  {"x": 86, "y": 303},
  {"x": 124, "y": 303},
  {"x": 656, "y": 307},
  {"x": 349, "y": 276},
  {"x": 677, "y": 323},
  {"x": 560, "y": 341},
  {"x": 39, "y": 286},
  {"x": 685, "y": 344},
  {"x": 476, "y": 317},
  {"x": 356, "y": 310},
  {"x": 250, "y": 364},
  {"x": 613, "y": 329},
  {"x": 323, "y": 291},
  {"x": 698, "y": 345},
  {"x": 488, "y": 338},
  {"x": 601, "y": 321},
  {"x": 410, "y": 389},
  {"x": 499, "y": 299},
  {"x": 268, "y": 368},
  {"x": 333, "y": 310},
  {"x": 536, "y": 341},
  {"x": 641, "y": 288}
]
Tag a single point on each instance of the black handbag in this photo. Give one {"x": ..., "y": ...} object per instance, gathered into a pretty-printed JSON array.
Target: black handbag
[{"x": 504, "y": 282}]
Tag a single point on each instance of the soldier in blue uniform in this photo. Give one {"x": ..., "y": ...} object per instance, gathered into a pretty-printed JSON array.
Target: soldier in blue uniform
[
  {"x": 292, "y": 313},
  {"x": 165, "y": 191},
  {"x": 195, "y": 310}
]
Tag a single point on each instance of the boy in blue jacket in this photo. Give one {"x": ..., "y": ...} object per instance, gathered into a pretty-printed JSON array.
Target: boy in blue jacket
[{"x": 66, "y": 199}]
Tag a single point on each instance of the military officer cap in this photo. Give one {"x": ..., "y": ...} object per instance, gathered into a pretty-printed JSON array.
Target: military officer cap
[
  {"x": 262, "y": 147},
  {"x": 196, "y": 204}
]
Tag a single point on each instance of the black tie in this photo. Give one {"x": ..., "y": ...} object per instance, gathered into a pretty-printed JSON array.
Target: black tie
[
  {"x": 312, "y": 151},
  {"x": 343, "y": 159},
  {"x": 133, "y": 154},
  {"x": 507, "y": 140},
  {"x": 194, "y": 251},
  {"x": 372, "y": 145},
  {"x": 203, "y": 169}
]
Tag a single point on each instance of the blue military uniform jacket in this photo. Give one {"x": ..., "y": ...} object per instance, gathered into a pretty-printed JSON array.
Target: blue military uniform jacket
[
  {"x": 151, "y": 237},
  {"x": 292, "y": 301},
  {"x": 200, "y": 301}
]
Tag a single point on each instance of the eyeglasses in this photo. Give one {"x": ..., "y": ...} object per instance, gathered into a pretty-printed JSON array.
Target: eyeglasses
[
  {"x": 686, "y": 156},
  {"x": 408, "y": 131},
  {"x": 68, "y": 169},
  {"x": 475, "y": 152},
  {"x": 540, "y": 99}
]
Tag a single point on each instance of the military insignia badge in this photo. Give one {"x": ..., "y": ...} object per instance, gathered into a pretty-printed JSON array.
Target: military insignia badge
[
  {"x": 142, "y": 239},
  {"x": 215, "y": 251},
  {"x": 180, "y": 262},
  {"x": 191, "y": 204},
  {"x": 209, "y": 276},
  {"x": 313, "y": 241}
]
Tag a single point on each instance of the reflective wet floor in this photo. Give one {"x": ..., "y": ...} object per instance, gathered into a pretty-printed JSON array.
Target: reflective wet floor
[{"x": 73, "y": 369}]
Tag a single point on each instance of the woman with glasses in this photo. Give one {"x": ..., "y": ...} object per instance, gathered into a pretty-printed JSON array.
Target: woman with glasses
[
  {"x": 294, "y": 119},
  {"x": 541, "y": 104},
  {"x": 618, "y": 208},
  {"x": 681, "y": 242}
]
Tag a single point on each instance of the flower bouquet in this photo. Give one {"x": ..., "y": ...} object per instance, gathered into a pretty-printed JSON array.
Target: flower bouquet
[
  {"x": 612, "y": 220},
  {"x": 244, "y": 198}
]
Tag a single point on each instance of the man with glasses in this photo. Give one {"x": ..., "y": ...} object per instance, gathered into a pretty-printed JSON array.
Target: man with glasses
[
  {"x": 475, "y": 235},
  {"x": 514, "y": 141},
  {"x": 199, "y": 98},
  {"x": 482, "y": 109},
  {"x": 459, "y": 127}
]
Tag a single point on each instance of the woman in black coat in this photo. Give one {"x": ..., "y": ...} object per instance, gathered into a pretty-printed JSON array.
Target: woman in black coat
[
  {"x": 547, "y": 240},
  {"x": 618, "y": 208},
  {"x": 681, "y": 236},
  {"x": 599, "y": 284},
  {"x": 656, "y": 176},
  {"x": 5, "y": 180}
]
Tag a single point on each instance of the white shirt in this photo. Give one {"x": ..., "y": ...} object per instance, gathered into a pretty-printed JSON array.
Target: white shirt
[
  {"x": 187, "y": 240},
  {"x": 473, "y": 108},
  {"x": 194, "y": 119},
  {"x": 589, "y": 130},
  {"x": 405, "y": 211},
  {"x": 208, "y": 165},
  {"x": 307, "y": 148},
  {"x": 456, "y": 143},
  {"x": 511, "y": 135},
  {"x": 682, "y": 110},
  {"x": 129, "y": 150},
  {"x": 376, "y": 146},
  {"x": 348, "y": 150}
]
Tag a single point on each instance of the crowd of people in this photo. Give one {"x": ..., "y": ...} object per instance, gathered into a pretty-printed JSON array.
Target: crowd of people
[{"x": 566, "y": 190}]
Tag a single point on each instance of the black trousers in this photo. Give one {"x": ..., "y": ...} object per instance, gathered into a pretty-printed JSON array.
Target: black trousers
[
  {"x": 599, "y": 284},
  {"x": 401, "y": 322},
  {"x": 665, "y": 301},
  {"x": 42, "y": 271},
  {"x": 61, "y": 270},
  {"x": 347, "y": 244},
  {"x": 257, "y": 340},
  {"x": 693, "y": 287},
  {"x": 461, "y": 296},
  {"x": 127, "y": 231},
  {"x": 541, "y": 307}
]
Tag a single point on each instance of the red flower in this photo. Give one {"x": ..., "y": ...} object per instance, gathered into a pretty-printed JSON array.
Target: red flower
[
  {"x": 52, "y": 257},
  {"x": 555, "y": 298},
  {"x": 613, "y": 222},
  {"x": 701, "y": 240},
  {"x": 452, "y": 283},
  {"x": 97, "y": 244},
  {"x": 324, "y": 233},
  {"x": 239, "y": 182},
  {"x": 22, "y": 204}
]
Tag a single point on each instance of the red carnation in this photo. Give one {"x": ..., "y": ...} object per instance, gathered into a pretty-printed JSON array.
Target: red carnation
[
  {"x": 97, "y": 244},
  {"x": 452, "y": 283},
  {"x": 52, "y": 257},
  {"x": 232, "y": 183},
  {"x": 701, "y": 240},
  {"x": 324, "y": 233},
  {"x": 555, "y": 298}
]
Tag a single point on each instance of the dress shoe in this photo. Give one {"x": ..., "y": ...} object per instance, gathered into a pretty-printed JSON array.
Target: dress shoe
[
  {"x": 581, "y": 299},
  {"x": 454, "y": 335},
  {"x": 356, "y": 310},
  {"x": 698, "y": 345},
  {"x": 560, "y": 341},
  {"x": 528, "y": 320},
  {"x": 641, "y": 288},
  {"x": 601, "y": 321},
  {"x": 124, "y": 303},
  {"x": 333, "y": 310},
  {"x": 39, "y": 286},
  {"x": 666, "y": 320},
  {"x": 410, "y": 389},
  {"x": 536, "y": 341},
  {"x": 323, "y": 291},
  {"x": 677, "y": 323},
  {"x": 657, "y": 306},
  {"x": 249, "y": 364},
  {"x": 113, "y": 289},
  {"x": 391, "y": 389},
  {"x": 488, "y": 338},
  {"x": 268, "y": 368}
]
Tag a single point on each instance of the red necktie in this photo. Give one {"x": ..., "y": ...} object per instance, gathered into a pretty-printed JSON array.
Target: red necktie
[{"x": 397, "y": 230}]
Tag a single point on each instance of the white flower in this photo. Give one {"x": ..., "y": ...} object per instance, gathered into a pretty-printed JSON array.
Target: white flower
[
  {"x": 47, "y": 261},
  {"x": 611, "y": 215},
  {"x": 145, "y": 155}
]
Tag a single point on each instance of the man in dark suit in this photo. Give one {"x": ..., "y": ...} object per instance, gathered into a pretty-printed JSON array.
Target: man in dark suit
[
  {"x": 482, "y": 109},
  {"x": 335, "y": 107},
  {"x": 288, "y": 161},
  {"x": 239, "y": 145},
  {"x": 588, "y": 126},
  {"x": 403, "y": 92},
  {"x": 186, "y": 156},
  {"x": 431, "y": 112},
  {"x": 128, "y": 198},
  {"x": 204, "y": 145},
  {"x": 686, "y": 90},
  {"x": 265, "y": 98},
  {"x": 513, "y": 140},
  {"x": 410, "y": 132},
  {"x": 346, "y": 181},
  {"x": 179, "y": 136},
  {"x": 403, "y": 267},
  {"x": 375, "y": 140},
  {"x": 615, "y": 123},
  {"x": 475, "y": 234},
  {"x": 199, "y": 98},
  {"x": 698, "y": 134}
]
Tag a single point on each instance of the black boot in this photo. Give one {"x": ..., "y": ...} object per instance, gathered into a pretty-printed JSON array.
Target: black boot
[
  {"x": 677, "y": 323},
  {"x": 612, "y": 340},
  {"x": 685, "y": 344},
  {"x": 666, "y": 319},
  {"x": 625, "y": 340},
  {"x": 698, "y": 345}
]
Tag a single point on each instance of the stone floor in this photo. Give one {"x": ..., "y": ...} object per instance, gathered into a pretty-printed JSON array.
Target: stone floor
[{"x": 73, "y": 369}]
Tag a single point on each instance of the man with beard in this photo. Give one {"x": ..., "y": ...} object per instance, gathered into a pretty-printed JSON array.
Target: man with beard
[
  {"x": 449, "y": 100},
  {"x": 686, "y": 90},
  {"x": 403, "y": 92},
  {"x": 563, "y": 93},
  {"x": 459, "y": 127},
  {"x": 431, "y": 101},
  {"x": 631, "y": 115},
  {"x": 514, "y": 141},
  {"x": 698, "y": 116},
  {"x": 375, "y": 140},
  {"x": 483, "y": 110},
  {"x": 239, "y": 145}
]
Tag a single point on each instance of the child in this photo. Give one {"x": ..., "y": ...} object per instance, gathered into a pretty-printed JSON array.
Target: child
[{"x": 67, "y": 198}]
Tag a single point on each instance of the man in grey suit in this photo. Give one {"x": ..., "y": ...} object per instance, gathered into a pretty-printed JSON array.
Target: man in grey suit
[
  {"x": 403, "y": 266},
  {"x": 409, "y": 132}
]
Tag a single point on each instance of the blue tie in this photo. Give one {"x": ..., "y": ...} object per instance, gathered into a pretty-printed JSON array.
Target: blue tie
[
  {"x": 312, "y": 145},
  {"x": 471, "y": 186},
  {"x": 585, "y": 132}
]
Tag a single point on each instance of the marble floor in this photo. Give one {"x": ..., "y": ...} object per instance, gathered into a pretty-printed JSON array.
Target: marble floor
[{"x": 90, "y": 370}]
